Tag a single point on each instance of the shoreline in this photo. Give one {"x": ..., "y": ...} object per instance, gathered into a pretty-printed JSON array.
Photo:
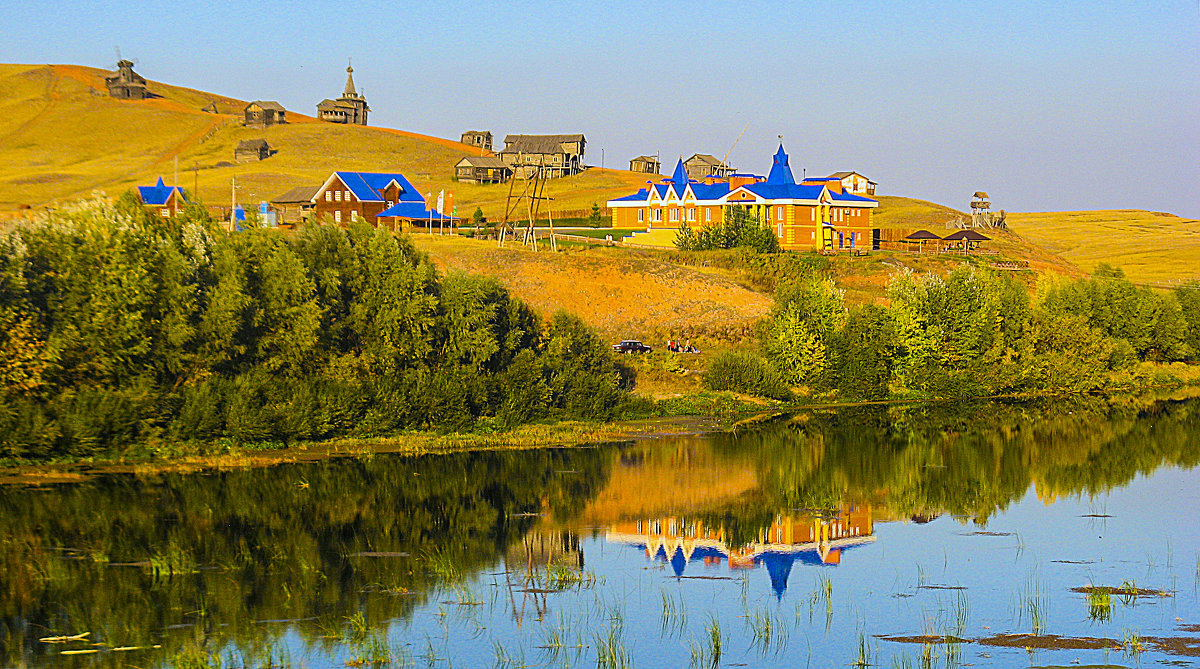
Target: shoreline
[{"x": 566, "y": 434}]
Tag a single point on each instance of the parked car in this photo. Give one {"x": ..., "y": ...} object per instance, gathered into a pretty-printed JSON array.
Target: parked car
[{"x": 631, "y": 346}]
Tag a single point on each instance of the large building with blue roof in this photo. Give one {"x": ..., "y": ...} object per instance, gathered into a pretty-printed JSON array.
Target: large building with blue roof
[
  {"x": 381, "y": 198},
  {"x": 817, "y": 215}
]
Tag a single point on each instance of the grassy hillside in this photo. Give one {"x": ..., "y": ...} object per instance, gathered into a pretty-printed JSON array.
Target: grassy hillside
[
  {"x": 621, "y": 293},
  {"x": 62, "y": 137},
  {"x": 1152, "y": 247}
]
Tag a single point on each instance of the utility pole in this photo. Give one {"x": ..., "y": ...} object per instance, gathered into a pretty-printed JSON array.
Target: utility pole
[{"x": 232, "y": 203}]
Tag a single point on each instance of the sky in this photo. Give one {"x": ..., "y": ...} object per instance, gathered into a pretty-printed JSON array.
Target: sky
[{"x": 1048, "y": 106}]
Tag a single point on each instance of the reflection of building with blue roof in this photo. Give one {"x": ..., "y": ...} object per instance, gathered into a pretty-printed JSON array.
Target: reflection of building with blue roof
[
  {"x": 790, "y": 540},
  {"x": 812, "y": 214}
]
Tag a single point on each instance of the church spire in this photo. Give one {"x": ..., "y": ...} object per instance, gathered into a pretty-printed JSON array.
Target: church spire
[{"x": 349, "y": 92}]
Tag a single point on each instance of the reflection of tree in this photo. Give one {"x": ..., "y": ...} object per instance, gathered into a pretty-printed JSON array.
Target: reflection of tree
[
  {"x": 282, "y": 543},
  {"x": 967, "y": 459}
]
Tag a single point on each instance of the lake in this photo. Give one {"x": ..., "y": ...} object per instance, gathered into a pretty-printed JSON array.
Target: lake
[{"x": 1055, "y": 532}]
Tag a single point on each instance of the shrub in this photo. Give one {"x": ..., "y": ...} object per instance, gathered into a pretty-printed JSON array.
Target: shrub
[{"x": 745, "y": 372}]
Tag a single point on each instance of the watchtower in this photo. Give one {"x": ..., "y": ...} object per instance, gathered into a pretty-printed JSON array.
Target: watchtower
[{"x": 981, "y": 210}]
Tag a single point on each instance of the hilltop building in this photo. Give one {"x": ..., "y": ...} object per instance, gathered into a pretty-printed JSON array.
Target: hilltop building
[
  {"x": 851, "y": 182},
  {"x": 482, "y": 170},
  {"x": 480, "y": 138},
  {"x": 125, "y": 83},
  {"x": 264, "y": 113},
  {"x": 166, "y": 201},
  {"x": 549, "y": 155},
  {"x": 645, "y": 164},
  {"x": 251, "y": 150},
  {"x": 702, "y": 165},
  {"x": 818, "y": 216},
  {"x": 350, "y": 109},
  {"x": 386, "y": 199}
]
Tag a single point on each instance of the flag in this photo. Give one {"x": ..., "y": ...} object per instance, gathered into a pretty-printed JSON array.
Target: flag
[{"x": 441, "y": 200}]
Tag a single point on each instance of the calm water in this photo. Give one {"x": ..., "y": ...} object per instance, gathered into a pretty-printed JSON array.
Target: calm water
[{"x": 893, "y": 537}]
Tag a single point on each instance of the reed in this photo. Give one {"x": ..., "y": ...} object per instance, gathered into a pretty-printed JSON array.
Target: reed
[{"x": 673, "y": 620}]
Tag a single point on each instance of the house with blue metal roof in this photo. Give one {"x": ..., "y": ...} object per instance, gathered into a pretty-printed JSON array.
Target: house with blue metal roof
[
  {"x": 381, "y": 198},
  {"x": 806, "y": 215},
  {"x": 166, "y": 201}
]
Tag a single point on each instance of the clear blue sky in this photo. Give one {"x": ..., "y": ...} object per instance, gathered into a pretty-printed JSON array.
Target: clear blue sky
[{"x": 1048, "y": 106}]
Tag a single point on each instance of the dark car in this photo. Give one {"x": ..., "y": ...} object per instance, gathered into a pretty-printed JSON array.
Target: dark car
[{"x": 631, "y": 346}]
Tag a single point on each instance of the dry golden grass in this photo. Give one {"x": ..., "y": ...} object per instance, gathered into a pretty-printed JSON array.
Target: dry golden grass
[
  {"x": 61, "y": 137},
  {"x": 622, "y": 293},
  {"x": 1151, "y": 247}
]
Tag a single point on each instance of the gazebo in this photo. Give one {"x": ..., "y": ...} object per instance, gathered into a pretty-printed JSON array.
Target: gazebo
[
  {"x": 922, "y": 236},
  {"x": 969, "y": 238}
]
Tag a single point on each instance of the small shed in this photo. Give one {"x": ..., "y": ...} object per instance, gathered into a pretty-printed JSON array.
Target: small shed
[
  {"x": 250, "y": 150},
  {"x": 264, "y": 113},
  {"x": 482, "y": 170},
  {"x": 645, "y": 165}
]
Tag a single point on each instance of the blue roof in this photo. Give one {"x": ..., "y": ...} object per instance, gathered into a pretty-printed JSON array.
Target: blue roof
[
  {"x": 792, "y": 191},
  {"x": 636, "y": 197},
  {"x": 413, "y": 210},
  {"x": 367, "y": 186},
  {"x": 159, "y": 193},
  {"x": 781, "y": 172},
  {"x": 680, "y": 177}
]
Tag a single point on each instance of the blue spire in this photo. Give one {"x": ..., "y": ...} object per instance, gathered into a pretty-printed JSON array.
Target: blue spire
[
  {"x": 160, "y": 183},
  {"x": 781, "y": 172},
  {"x": 680, "y": 177}
]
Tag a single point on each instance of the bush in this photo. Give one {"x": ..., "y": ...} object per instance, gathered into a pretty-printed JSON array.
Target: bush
[{"x": 745, "y": 372}]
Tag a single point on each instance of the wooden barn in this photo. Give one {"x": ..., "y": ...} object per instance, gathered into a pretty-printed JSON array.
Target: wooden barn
[
  {"x": 551, "y": 155},
  {"x": 702, "y": 165},
  {"x": 125, "y": 83},
  {"x": 645, "y": 165},
  {"x": 482, "y": 170},
  {"x": 480, "y": 138},
  {"x": 251, "y": 150},
  {"x": 264, "y": 113}
]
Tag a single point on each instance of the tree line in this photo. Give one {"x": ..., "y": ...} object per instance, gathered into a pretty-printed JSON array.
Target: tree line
[
  {"x": 119, "y": 327},
  {"x": 971, "y": 333}
]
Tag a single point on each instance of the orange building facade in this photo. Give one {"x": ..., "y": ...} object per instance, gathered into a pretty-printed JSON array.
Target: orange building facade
[{"x": 804, "y": 216}]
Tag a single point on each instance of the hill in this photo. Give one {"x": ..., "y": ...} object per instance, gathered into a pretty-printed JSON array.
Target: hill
[
  {"x": 62, "y": 136},
  {"x": 1152, "y": 247}
]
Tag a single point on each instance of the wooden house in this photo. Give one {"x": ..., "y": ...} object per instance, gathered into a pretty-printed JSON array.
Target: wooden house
[
  {"x": 702, "y": 165},
  {"x": 382, "y": 199},
  {"x": 250, "y": 150},
  {"x": 166, "y": 201},
  {"x": 482, "y": 170},
  {"x": 818, "y": 216},
  {"x": 297, "y": 204},
  {"x": 645, "y": 164},
  {"x": 480, "y": 138},
  {"x": 351, "y": 108},
  {"x": 551, "y": 155},
  {"x": 264, "y": 113},
  {"x": 125, "y": 83}
]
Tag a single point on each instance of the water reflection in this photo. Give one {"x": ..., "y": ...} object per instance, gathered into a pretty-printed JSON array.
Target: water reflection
[
  {"x": 806, "y": 539},
  {"x": 243, "y": 561}
]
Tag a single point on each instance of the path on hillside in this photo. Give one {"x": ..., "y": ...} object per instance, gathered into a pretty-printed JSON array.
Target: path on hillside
[{"x": 51, "y": 97}]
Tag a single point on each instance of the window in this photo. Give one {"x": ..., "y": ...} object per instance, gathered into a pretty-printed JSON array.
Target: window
[
  {"x": 166, "y": 213},
  {"x": 658, "y": 215},
  {"x": 354, "y": 214},
  {"x": 329, "y": 196},
  {"x": 337, "y": 217},
  {"x": 674, "y": 214},
  {"x": 779, "y": 213},
  {"x": 338, "y": 196},
  {"x": 708, "y": 215},
  {"x": 691, "y": 214},
  {"x": 812, "y": 214},
  {"x": 641, "y": 215},
  {"x": 346, "y": 195}
]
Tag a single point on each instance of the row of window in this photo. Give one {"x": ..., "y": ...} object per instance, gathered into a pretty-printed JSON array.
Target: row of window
[
  {"x": 337, "y": 216},
  {"x": 836, "y": 215},
  {"x": 337, "y": 195}
]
